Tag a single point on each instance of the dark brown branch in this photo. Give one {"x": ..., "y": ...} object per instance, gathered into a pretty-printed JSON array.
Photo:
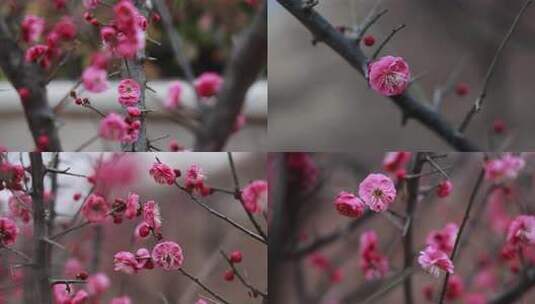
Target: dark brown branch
[
  {"x": 330, "y": 238},
  {"x": 412, "y": 201},
  {"x": 408, "y": 104},
  {"x": 41, "y": 247},
  {"x": 175, "y": 40},
  {"x": 21, "y": 74},
  {"x": 248, "y": 59},
  {"x": 514, "y": 293},
  {"x": 479, "y": 101}
]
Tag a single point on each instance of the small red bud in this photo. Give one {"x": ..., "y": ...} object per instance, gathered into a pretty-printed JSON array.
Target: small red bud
[
  {"x": 462, "y": 89},
  {"x": 498, "y": 126},
  {"x": 369, "y": 40},
  {"x": 155, "y": 17},
  {"x": 77, "y": 196},
  {"x": 236, "y": 256},
  {"x": 43, "y": 142},
  {"x": 144, "y": 231},
  {"x": 136, "y": 125},
  {"x": 95, "y": 22},
  {"x": 229, "y": 275},
  {"x": 133, "y": 111},
  {"x": 82, "y": 275},
  {"x": 24, "y": 94},
  {"x": 88, "y": 16}
]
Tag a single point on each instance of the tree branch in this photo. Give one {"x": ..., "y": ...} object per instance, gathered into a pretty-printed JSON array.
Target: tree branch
[
  {"x": 514, "y": 293},
  {"x": 412, "y": 200},
  {"x": 41, "y": 247},
  {"x": 39, "y": 115},
  {"x": 248, "y": 59},
  {"x": 410, "y": 107},
  {"x": 466, "y": 217},
  {"x": 479, "y": 101}
]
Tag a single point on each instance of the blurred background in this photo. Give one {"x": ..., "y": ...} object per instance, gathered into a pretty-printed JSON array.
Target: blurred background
[
  {"x": 319, "y": 103},
  {"x": 318, "y": 253},
  {"x": 208, "y": 29},
  {"x": 200, "y": 234}
]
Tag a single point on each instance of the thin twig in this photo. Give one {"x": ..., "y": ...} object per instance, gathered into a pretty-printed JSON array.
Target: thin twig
[
  {"x": 240, "y": 198},
  {"x": 459, "y": 234},
  {"x": 248, "y": 285},
  {"x": 490, "y": 72},
  {"x": 198, "y": 282},
  {"x": 387, "y": 39}
]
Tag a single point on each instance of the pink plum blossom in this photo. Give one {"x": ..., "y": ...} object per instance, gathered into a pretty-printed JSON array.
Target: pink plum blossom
[
  {"x": 522, "y": 230},
  {"x": 144, "y": 259},
  {"x": 8, "y": 231},
  {"x": 443, "y": 239},
  {"x": 208, "y": 84},
  {"x": 32, "y": 27},
  {"x": 195, "y": 178},
  {"x": 254, "y": 196},
  {"x": 126, "y": 262},
  {"x": 95, "y": 208},
  {"x": 132, "y": 206},
  {"x": 151, "y": 216},
  {"x": 95, "y": 79},
  {"x": 168, "y": 255},
  {"x": 129, "y": 92},
  {"x": 20, "y": 206},
  {"x": 507, "y": 167},
  {"x": 389, "y": 75},
  {"x": 113, "y": 127},
  {"x": 377, "y": 191},
  {"x": 349, "y": 205},
  {"x": 394, "y": 161},
  {"x": 91, "y": 4},
  {"x": 162, "y": 174},
  {"x": 372, "y": 262},
  {"x": 444, "y": 188},
  {"x": 434, "y": 260},
  {"x": 174, "y": 95},
  {"x": 98, "y": 283}
]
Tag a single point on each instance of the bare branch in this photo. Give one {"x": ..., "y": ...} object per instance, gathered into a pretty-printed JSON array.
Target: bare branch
[
  {"x": 21, "y": 74},
  {"x": 479, "y": 101},
  {"x": 461, "y": 228},
  {"x": 248, "y": 59}
]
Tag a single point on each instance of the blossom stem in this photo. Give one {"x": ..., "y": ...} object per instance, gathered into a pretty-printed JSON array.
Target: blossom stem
[
  {"x": 387, "y": 39},
  {"x": 237, "y": 192},
  {"x": 253, "y": 289},
  {"x": 221, "y": 216},
  {"x": 461, "y": 228},
  {"x": 490, "y": 72},
  {"x": 198, "y": 282}
]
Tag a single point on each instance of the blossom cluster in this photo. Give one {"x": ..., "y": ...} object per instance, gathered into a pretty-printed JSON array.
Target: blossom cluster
[{"x": 376, "y": 191}]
